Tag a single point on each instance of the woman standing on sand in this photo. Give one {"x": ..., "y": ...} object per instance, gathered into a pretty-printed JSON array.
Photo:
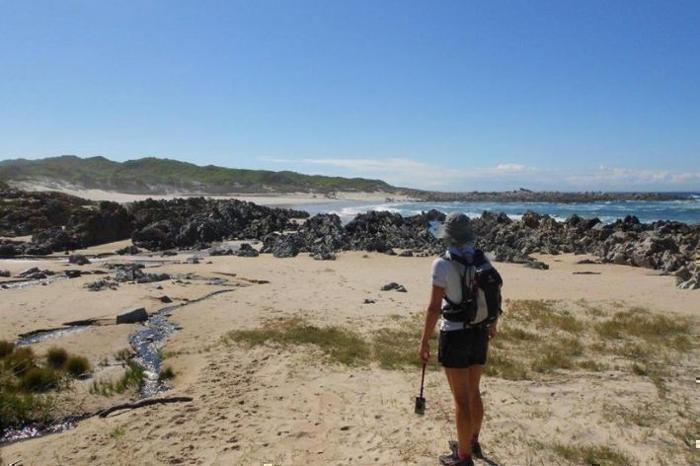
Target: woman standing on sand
[{"x": 466, "y": 291}]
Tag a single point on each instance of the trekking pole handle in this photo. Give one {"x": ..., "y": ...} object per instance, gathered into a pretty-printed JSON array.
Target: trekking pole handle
[{"x": 422, "y": 380}]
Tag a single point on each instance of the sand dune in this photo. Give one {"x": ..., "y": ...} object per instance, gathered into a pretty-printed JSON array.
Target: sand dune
[{"x": 272, "y": 199}]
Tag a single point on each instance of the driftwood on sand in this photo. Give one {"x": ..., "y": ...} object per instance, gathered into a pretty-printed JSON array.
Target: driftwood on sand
[{"x": 139, "y": 404}]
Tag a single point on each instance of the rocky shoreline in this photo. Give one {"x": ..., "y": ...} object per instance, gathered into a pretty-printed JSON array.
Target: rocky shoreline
[
  {"x": 60, "y": 223},
  {"x": 526, "y": 195}
]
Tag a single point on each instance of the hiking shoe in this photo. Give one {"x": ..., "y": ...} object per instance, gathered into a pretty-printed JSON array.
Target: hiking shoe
[
  {"x": 448, "y": 458},
  {"x": 454, "y": 446},
  {"x": 476, "y": 448},
  {"x": 453, "y": 460}
]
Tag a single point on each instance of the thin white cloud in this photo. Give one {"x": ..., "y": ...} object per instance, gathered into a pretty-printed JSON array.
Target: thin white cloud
[
  {"x": 412, "y": 173},
  {"x": 631, "y": 177},
  {"x": 510, "y": 167}
]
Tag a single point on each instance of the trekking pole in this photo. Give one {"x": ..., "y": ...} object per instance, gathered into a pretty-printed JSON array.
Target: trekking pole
[{"x": 420, "y": 401}]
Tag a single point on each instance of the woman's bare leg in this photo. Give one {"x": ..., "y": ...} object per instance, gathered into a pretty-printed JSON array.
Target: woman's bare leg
[
  {"x": 459, "y": 384},
  {"x": 476, "y": 407}
]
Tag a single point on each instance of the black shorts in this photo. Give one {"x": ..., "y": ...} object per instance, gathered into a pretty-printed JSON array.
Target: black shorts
[{"x": 463, "y": 348}]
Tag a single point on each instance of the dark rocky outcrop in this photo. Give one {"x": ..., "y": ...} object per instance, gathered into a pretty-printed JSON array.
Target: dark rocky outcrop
[
  {"x": 688, "y": 277},
  {"x": 128, "y": 272},
  {"x": 380, "y": 231},
  {"x": 246, "y": 250},
  {"x": 662, "y": 245},
  {"x": 72, "y": 273},
  {"x": 106, "y": 223},
  {"x": 133, "y": 316},
  {"x": 193, "y": 222},
  {"x": 135, "y": 273},
  {"x": 394, "y": 286},
  {"x": 128, "y": 250},
  {"x": 34, "y": 273},
  {"x": 8, "y": 249},
  {"x": 102, "y": 284},
  {"x": 24, "y": 213},
  {"x": 320, "y": 236},
  {"x": 64, "y": 223},
  {"x": 78, "y": 259},
  {"x": 59, "y": 222}
]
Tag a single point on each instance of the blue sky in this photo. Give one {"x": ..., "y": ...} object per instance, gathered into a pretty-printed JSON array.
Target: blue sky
[{"x": 444, "y": 95}]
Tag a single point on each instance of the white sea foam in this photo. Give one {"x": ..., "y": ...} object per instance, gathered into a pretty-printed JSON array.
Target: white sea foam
[{"x": 687, "y": 211}]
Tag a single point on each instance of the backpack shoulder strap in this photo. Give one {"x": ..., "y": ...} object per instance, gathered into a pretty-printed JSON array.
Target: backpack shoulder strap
[
  {"x": 462, "y": 260},
  {"x": 479, "y": 257}
]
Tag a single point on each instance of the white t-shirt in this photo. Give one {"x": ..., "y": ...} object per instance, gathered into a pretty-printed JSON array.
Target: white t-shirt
[{"x": 447, "y": 274}]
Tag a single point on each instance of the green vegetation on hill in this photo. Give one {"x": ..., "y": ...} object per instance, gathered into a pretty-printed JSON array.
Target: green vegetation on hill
[{"x": 152, "y": 176}]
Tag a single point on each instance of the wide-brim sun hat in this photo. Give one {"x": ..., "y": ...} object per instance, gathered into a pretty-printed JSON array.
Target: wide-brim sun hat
[{"x": 456, "y": 230}]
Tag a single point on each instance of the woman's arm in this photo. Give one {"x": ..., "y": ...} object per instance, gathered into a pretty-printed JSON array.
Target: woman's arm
[{"x": 432, "y": 314}]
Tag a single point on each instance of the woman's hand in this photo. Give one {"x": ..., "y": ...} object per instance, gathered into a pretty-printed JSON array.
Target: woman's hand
[
  {"x": 424, "y": 352},
  {"x": 493, "y": 329}
]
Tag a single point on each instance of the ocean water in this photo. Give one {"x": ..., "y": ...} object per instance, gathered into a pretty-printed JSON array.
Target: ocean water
[{"x": 686, "y": 211}]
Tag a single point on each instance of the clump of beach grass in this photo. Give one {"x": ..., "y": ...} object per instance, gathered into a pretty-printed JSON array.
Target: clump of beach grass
[
  {"x": 39, "y": 379},
  {"x": 20, "y": 360},
  {"x": 123, "y": 355},
  {"x": 78, "y": 366},
  {"x": 395, "y": 347},
  {"x": 559, "y": 354},
  {"x": 167, "y": 373},
  {"x": 339, "y": 345},
  {"x": 536, "y": 338},
  {"x": 118, "y": 432},
  {"x": 57, "y": 357},
  {"x": 544, "y": 314},
  {"x": 643, "y": 414},
  {"x": 389, "y": 347},
  {"x": 132, "y": 378},
  {"x": 18, "y": 408},
  {"x": 27, "y": 386},
  {"x": 543, "y": 337},
  {"x": 656, "y": 329},
  {"x": 593, "y": 455},
  {"x": 6, "y": 347},
  {"x": 500, "y": 365}
]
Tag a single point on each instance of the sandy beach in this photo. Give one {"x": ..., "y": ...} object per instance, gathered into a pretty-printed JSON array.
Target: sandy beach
[
  {"x": 292, "y": 405},
  {"x": 272, "y": 199},
  {"x": 226, "y": 227}
]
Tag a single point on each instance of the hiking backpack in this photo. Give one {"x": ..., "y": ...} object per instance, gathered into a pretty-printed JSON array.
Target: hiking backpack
[{"x": 478, "y": 276}]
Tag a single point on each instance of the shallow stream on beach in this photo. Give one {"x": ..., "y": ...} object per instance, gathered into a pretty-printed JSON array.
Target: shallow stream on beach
[{"x": 146, "y": 342}]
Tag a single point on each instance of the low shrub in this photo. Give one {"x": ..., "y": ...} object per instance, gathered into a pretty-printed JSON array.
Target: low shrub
[
  {"x": 123, "y": 355},
  {"x": 17, "y": 409},
  {"x": 20, "y": 360},
  {"x": 166, "y": 374},
  {"x": 6, "y": 348},
  {"x": 39, "y": 380},
  {"x": 57, "y": 357},
  {"x": 132, "y": 377},
  {"x": 78, "y": 366}
]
